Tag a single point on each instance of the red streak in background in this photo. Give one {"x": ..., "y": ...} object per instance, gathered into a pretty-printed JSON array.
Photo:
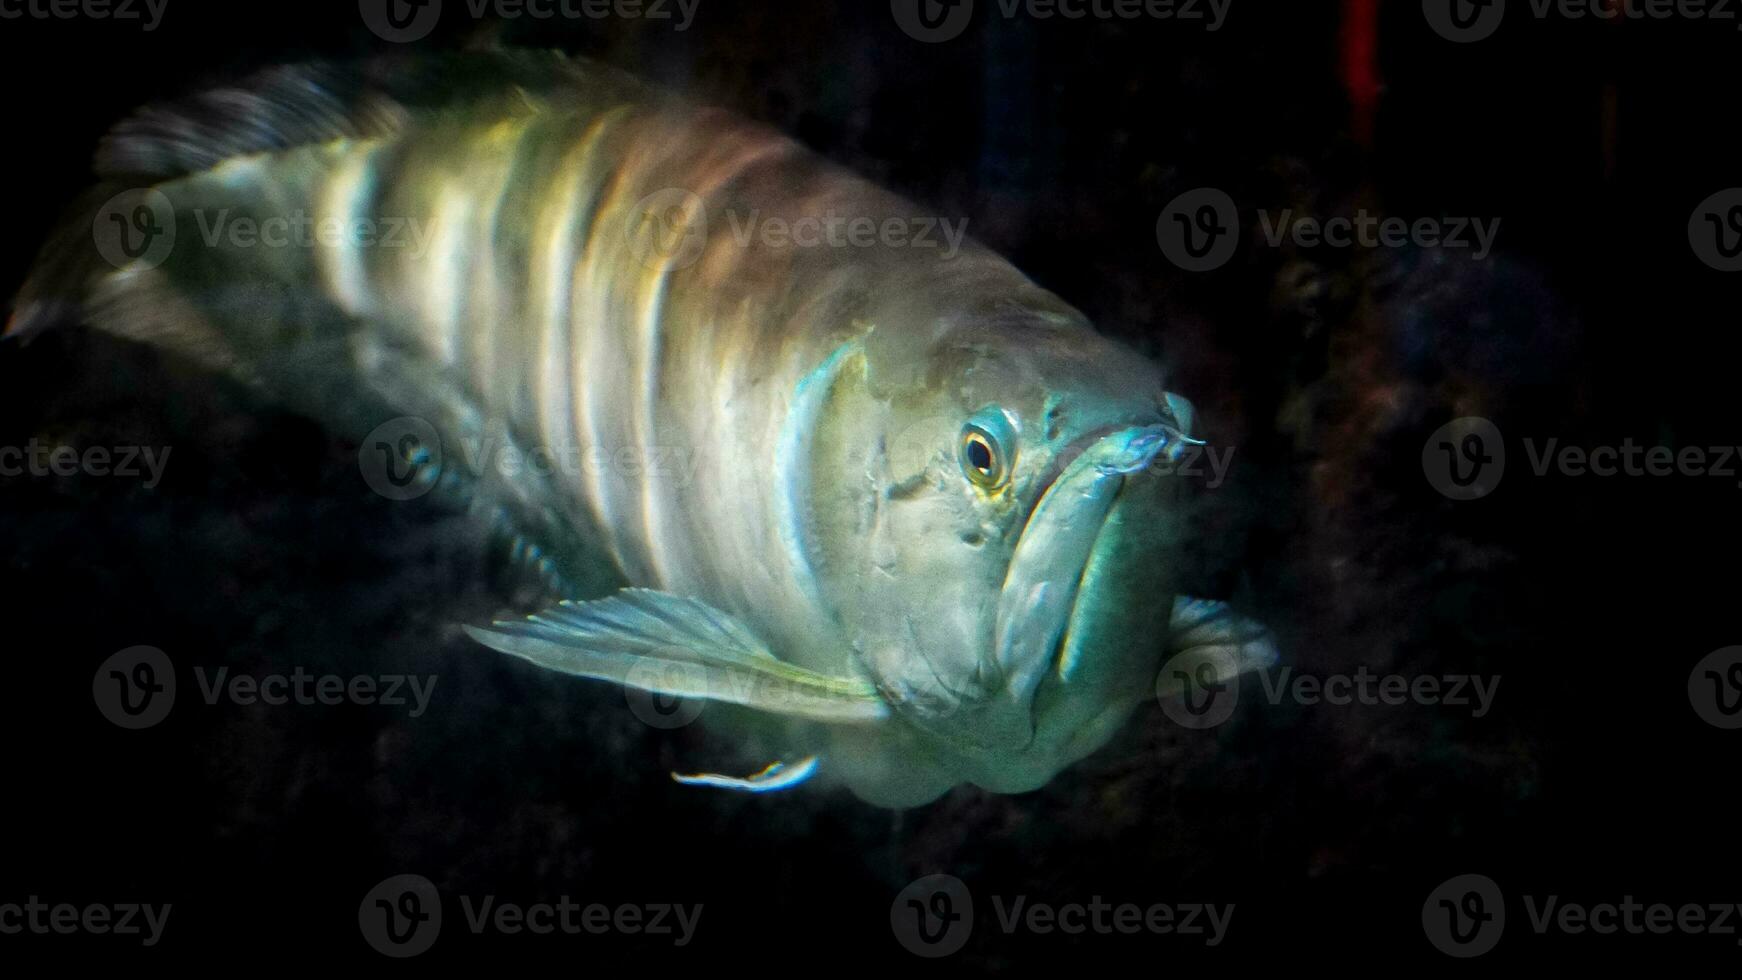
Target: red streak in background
[{"x": 1361, "y": 66}]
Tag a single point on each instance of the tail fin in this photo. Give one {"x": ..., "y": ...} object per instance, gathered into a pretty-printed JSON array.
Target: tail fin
[
  {"x": 67, "y": 268},
  {"x": 265, "y": 316},
  {"x": 276, "y": 110}
]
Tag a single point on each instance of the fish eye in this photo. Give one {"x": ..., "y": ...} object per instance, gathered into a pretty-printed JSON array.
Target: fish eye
[{"x": 983, "y": 449}]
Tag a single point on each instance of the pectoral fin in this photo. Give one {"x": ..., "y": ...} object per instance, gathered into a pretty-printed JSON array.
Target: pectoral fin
[
  {"x": 666, "y": 644},
  {"x": 776, "y": 777},
  {"x": 1203, "y": 632}
]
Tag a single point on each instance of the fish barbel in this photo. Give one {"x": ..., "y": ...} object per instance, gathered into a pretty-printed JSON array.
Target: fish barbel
[{"x": 925, "y": 514}]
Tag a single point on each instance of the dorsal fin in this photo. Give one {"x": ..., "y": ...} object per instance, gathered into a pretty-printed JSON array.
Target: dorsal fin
[{"x": 289, "y": 106}]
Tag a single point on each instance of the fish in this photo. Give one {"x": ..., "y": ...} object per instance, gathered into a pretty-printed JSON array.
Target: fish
[{"x": 927, "y": 523}]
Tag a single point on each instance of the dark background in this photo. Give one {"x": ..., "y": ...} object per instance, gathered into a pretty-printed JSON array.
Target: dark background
[{"x": 1060, "y": 142}]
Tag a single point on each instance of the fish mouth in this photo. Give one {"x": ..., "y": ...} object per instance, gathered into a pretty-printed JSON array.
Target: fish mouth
[{"x": 1040, "y": 591}]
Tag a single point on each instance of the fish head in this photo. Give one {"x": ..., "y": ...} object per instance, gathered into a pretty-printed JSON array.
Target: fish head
[{"x": 1000, "y": 552}]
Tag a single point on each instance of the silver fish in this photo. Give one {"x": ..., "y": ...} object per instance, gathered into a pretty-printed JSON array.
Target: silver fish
[{"x": 924, "y": 516}]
